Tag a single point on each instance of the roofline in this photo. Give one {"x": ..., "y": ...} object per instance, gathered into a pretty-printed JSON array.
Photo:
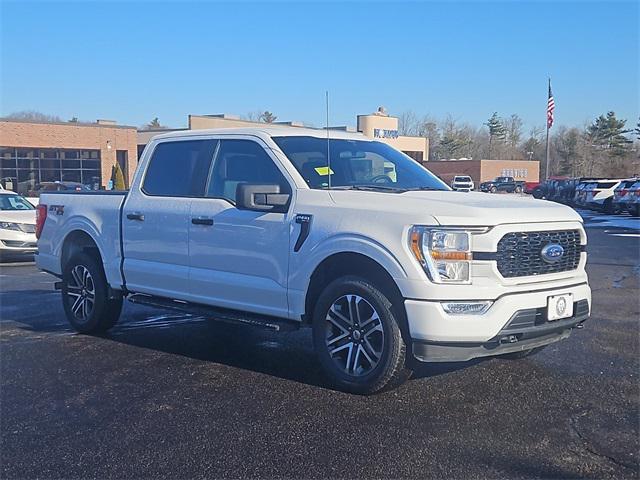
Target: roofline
[
  {"x": 280, "y": 131},
  {"x": 67, "y": 124}
]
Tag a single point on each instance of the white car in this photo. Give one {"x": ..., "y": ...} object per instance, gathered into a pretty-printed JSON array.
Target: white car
[
  {"x": 600, "y": 195},
  {"x": 462, "y": 183},
  {"x": 632, "y": 199},
  {"x": 17, "y": 224},
  {"x": 284, "y": 228}
]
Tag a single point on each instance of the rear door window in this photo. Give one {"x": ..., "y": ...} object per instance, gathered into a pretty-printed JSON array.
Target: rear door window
[{"x": 179, "y": 168}]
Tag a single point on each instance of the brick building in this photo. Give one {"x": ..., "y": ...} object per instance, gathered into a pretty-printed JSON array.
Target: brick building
[
  {"x": 483, "y": 170},
  {"x": 32, "y": 153}
]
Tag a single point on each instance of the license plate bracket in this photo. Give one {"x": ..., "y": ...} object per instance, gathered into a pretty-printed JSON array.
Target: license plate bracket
[{"x": 559, "y": 307}]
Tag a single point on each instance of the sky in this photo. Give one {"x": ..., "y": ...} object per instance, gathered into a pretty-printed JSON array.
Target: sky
[{"x": 133, "y": 61}]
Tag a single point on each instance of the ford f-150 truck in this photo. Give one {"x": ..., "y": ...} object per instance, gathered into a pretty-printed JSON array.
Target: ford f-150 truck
[{"x": 284, "y": 227}]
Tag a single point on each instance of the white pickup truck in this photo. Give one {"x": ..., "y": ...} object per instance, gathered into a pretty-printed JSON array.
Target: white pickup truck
[{"x": 284, "y": 227}]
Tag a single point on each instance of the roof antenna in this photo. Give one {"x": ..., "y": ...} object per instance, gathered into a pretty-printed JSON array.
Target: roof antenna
[{"x": 328, "y": 150}]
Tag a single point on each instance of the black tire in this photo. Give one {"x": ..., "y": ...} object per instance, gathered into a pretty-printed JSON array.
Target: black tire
[
  {"x": 609, "y": 208},
  {"x": 390, "y": 370},
  {"x": 522, "y": 354},
  {"x": 88, "y": 316},
  {"x": 493, "y": 189},
  {"x": 518, "y": 190}
]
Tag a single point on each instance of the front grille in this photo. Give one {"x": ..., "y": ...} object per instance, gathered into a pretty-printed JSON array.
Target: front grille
[
  {"x": 19, "y": 244},
  {"x": 520, "y": 253}
]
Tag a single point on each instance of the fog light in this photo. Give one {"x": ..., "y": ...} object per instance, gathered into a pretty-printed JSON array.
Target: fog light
[{"x": 466, "y": 308}]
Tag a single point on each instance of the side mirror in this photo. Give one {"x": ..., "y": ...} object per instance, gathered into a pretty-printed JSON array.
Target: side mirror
[{"x": 261, "y": 198}]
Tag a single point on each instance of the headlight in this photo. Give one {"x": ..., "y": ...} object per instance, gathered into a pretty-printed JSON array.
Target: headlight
[
  {"x": 445, "y": 254},
  {"x": 10, "y": 226}
]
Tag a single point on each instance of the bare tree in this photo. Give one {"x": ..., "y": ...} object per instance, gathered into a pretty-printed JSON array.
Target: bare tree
[
  {"x": 408, "y": 123},
  {"x": 33, "y": 115}
]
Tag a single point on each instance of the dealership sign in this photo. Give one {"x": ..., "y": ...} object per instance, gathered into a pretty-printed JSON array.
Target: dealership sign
[{"x": 384, "y": 133}]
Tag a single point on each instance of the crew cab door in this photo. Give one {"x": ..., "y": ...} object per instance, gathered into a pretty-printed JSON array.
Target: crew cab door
[
  {"x": 239, "y": 258},
  {"x": 156, "y": 217}
]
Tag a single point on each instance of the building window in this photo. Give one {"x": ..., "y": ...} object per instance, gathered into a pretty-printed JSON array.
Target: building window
[
  {"x": 28, "y": 170},
  {"x": 417, "y": 156}
]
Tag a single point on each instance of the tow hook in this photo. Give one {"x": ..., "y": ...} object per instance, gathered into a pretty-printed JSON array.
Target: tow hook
[{"x": 509, "y": 339}]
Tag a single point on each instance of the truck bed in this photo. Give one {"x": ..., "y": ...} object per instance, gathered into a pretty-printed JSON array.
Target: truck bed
[{"x": 97, "y": 213}]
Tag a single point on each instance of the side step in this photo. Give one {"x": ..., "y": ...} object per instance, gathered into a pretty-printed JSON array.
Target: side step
[{"x": 220, "y": 314}]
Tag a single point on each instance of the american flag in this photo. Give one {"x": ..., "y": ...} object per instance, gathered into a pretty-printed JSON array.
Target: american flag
[{"x": 551, "y": 105}]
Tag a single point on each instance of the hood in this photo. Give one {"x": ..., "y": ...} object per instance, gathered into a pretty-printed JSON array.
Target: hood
[
  {"x": 18, "y": 216},
  {"x": 458, "y": 208}
]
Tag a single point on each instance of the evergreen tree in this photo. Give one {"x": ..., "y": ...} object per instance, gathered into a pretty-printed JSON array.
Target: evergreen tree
[
  {"x": 607, "y": 135},
  {"x": 496, "y": 130},
  {"x": 267, "y": 117},
  {"x": 638, "y": 129},
  {"x": 117, "y": 177},
  {"x": 155, "y": 123}
]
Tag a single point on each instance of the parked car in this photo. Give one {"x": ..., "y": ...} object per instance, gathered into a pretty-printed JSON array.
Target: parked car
[
  {"x": 258, "y": 227},
  {"x": 17, "y": 224},
  {"x": 462, "y": 183},
  {"x": 600, "y": 195},
  {"x": 633, "y": 202},
  {"x": 621, "y": 196},
  {"x": 502, "y": 184},
  {"x": 529, "y": 187}
]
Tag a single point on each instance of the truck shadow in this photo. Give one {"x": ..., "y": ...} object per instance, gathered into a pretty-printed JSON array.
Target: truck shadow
[{"x": 287, "y": 355}]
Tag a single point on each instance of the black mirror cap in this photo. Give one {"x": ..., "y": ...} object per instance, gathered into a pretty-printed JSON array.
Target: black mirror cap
[{"x": 261, "y": 198}]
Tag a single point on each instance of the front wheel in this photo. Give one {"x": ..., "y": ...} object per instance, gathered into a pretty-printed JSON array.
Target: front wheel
[
  {"x": 357, "y": 337},
  {"x": 493, "y": 189},
  {"x": 85, "y": 296}
]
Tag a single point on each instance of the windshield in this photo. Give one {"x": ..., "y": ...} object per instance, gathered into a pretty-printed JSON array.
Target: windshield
[
  {"x": 356, "y": 164},
  {"x": 462, "y": 179},
  {"x": 14, "y": 202}
]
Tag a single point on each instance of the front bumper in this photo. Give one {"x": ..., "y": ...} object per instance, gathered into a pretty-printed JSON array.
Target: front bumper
[
  {"x": 441, "y": 337},
  {"x": 17, "y": 242}
]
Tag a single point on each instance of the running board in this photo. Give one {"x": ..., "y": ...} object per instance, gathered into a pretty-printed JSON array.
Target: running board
[{"x": 220, "y": 314}]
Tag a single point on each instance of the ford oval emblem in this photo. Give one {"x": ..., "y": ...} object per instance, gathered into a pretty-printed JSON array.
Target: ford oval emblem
[{"x": 552, "y": 252}]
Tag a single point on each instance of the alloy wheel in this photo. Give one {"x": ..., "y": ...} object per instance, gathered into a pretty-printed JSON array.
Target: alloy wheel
[
  {"x": 82, "y": 293},
  {"x": 354, "y": 335}
]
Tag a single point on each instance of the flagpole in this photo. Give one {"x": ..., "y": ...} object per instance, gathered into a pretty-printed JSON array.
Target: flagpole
[{"x": 546, "y": 171}]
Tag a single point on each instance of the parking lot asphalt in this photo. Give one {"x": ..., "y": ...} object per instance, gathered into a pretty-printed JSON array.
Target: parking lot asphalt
[{"x": 173, "y": 395}]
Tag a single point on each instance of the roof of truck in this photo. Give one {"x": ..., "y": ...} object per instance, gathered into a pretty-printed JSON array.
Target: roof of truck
[{"x": 267, "y": 131}]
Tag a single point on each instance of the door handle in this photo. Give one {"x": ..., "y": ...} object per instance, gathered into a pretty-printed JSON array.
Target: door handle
[
  {"x": 202, "y": 221},
  {"x": 135, "y": 216}
]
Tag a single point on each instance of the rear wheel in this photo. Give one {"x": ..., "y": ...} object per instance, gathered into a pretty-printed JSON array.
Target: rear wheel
[
  {"x": 85, "y": 296},
  {"x": 609, "y": 207},
  {"x": 518, "y": 189},
  {"x": 357, "y": 337}
]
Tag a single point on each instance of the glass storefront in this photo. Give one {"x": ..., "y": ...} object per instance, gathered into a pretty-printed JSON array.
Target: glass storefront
[{"x": 27, "y": 170}]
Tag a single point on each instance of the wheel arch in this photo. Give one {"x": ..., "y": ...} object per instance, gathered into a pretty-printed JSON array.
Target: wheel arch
[
  {"x": 346, "y": 263},
  {"x": 79, "y": 241}
]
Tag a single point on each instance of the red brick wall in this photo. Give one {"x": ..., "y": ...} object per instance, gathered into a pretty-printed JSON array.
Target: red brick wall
[{"x": 55, "y": 135}]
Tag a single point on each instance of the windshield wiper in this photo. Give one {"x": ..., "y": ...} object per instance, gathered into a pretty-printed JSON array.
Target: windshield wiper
[
  {"x": 370, "y": 188},
  {"x": 425, "y": 189}
]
